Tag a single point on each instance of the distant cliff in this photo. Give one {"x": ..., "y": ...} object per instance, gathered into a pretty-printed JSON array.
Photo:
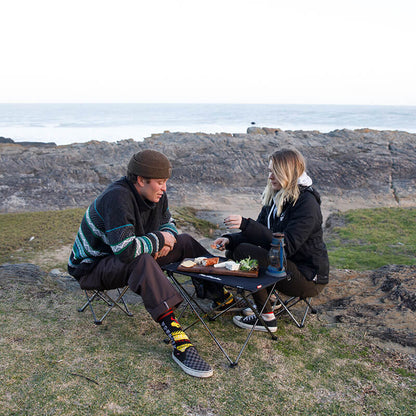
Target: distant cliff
[{"x": 370, "y": 167}]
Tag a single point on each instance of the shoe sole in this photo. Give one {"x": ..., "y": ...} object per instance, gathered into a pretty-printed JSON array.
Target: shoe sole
[
  {"x": 260, "y": 328},
  {"x": 191, "y": 371}
]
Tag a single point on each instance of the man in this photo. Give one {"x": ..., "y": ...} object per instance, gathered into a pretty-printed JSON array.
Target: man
[{"x": 126, "y": 234}]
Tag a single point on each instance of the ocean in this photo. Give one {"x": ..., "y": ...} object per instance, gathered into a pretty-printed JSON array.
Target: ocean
[{"x": 75, "y": 123}]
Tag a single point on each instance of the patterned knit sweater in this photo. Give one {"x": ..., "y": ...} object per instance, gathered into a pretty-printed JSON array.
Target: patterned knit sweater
[{"x": 121, "y": 223}]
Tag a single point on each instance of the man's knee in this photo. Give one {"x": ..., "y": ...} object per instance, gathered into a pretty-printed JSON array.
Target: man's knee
[
  {"x": 187, "y": 246},
  {"x": 185, "y": 239},
  {"x": 142, "y": 268}
]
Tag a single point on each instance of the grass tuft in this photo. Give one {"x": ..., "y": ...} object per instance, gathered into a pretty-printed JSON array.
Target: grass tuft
[{"x": 372, "y": 238}]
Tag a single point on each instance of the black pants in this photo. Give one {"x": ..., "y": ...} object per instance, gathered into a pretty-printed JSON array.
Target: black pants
[
  {"x": 295, "y": 284},
  {"x": 144, "y": 275}
]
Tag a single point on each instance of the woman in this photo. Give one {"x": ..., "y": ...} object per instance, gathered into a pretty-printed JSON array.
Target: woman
[{"x": 290, "y": 206}]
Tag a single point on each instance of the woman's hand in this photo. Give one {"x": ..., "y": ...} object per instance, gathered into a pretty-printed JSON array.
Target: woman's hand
[
  {"x": 233, "y": 221},
  {"x": 220, "y": 243}
]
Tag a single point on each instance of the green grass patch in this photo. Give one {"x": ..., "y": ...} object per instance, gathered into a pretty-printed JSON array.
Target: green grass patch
[
  {"x": 367, "y": 239},
  {"x": 24, "y": 234},
  {"x": 187, "y": 216},
  {"x": 371, "y": 238}
]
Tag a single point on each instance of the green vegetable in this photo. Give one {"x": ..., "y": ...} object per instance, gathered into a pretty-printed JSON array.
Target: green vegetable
[{"x": 248, "y": 264}]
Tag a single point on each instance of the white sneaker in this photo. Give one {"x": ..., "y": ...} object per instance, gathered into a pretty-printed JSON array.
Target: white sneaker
[{"x": 247, "y": 322}]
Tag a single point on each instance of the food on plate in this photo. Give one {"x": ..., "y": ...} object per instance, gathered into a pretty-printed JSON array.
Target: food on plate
[
  {"x": 229, "y": 265},
  {"x": 210, "y": 261},
  {"x": 188, "y": 263},
  {"x": 199, "y": 260},
  {"x": 248, "y": 264},
  {"x": 206, "y": 261}
]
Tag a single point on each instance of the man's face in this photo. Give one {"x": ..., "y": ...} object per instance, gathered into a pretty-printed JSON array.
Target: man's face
[{"x": 151, "y": 189}]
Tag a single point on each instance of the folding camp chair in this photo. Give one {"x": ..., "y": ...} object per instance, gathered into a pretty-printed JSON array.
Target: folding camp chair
[
  {"x": 285, "y": 306},
  {"x": 244, "y": 286},
  {"x": 109, "y": 298}
]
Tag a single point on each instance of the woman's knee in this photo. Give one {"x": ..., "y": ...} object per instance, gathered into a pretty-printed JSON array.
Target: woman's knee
[{"x": 245, "y": 250}]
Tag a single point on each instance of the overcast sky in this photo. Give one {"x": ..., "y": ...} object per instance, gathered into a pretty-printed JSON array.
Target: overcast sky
[{"x": 229, "y": 51}]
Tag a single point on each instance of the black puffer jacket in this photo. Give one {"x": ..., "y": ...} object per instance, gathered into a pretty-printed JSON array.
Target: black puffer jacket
[{"x": 302, "y": 226}]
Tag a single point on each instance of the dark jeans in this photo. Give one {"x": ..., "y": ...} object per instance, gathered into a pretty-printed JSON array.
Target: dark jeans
[
  {"x": 295, "y": 283},
  {"x": 144, "y": 275}
]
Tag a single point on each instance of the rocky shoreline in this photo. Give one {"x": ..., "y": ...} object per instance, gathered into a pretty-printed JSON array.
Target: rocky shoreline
[{"x": 365, "y": 168}]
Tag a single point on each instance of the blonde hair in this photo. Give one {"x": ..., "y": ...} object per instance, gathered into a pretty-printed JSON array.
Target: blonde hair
[{"x": 287, "y": 166}]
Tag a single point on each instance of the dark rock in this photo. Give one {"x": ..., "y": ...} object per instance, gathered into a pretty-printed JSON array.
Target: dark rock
[
  {"x": 24, "y": 272},
  {"x": 381, "y": 302},
  {"x": 5, "y": 140},
  {"x": 35, "y": 144},
  {"x": 370, "y": 166}
]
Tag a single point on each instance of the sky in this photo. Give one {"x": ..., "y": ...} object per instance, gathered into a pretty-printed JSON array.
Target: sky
[{"x": 200, "y": 51}]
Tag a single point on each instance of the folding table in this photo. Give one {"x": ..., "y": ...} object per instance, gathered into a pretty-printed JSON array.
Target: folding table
[{"x": 245, "y": 286}]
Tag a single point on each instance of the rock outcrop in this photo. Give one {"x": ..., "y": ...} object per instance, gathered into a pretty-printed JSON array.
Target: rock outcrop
[
  {"x": 381, "y": 302},
  {"x": 364, "y": 167}
]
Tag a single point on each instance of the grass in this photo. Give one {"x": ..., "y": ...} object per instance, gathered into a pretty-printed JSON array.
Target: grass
[
  {"x": 55, "y": 361},
  {"x": 187, "y": 216},
  {"x": 367, "y": 239},
  {"x": 371, "y": 238},
  {"x": 23, "y": 235}
]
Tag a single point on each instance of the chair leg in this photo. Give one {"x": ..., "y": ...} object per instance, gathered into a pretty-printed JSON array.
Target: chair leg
[
  {"x": 111, "y": 303},
  {"x": 289, "y": 303}
]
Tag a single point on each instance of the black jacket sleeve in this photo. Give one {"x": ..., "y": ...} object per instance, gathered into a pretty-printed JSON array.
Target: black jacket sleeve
[
  {"x": 254, "y": 232},
  {"x": 302, "y": 221}
]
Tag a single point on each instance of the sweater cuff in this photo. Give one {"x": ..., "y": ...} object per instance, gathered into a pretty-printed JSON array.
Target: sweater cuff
[
  {"x": 244, "y": 223},
  {"x": 161, "y": 241}
]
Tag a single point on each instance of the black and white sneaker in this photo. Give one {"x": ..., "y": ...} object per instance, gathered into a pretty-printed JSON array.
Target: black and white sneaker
[
  {"x": 247, "y": 322},
  {"x": 190, "y": 362}
]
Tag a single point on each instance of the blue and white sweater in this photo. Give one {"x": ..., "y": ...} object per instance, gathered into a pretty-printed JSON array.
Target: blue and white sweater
[{"x": 121, "y": 223}]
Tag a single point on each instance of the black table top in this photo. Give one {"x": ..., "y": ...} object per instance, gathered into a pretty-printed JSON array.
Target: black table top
[{"x": 251, "y": 284}]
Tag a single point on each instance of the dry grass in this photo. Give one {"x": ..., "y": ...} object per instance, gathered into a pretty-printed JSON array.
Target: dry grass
[{"x": 54, "y": 360}]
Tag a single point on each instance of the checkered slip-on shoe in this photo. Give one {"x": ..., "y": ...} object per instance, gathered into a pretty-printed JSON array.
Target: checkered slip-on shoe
[
  {"x": 192, "y": 363},
  {"x": 247, "y": 322}
]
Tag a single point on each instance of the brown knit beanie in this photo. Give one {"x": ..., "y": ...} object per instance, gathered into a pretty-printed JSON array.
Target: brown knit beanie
[{"x": 150, "y": 164}]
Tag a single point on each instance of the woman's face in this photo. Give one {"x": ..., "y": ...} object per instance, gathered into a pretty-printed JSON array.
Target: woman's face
[{"x": 273, "y": 180}]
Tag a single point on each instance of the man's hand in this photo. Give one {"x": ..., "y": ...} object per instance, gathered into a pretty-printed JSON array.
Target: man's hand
[
  {"x": 163, "y": 252},
  {"x": 170, "y": 240}
]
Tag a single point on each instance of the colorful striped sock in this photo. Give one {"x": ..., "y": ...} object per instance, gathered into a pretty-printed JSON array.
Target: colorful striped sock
[{"x": 173, "y": 330}]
